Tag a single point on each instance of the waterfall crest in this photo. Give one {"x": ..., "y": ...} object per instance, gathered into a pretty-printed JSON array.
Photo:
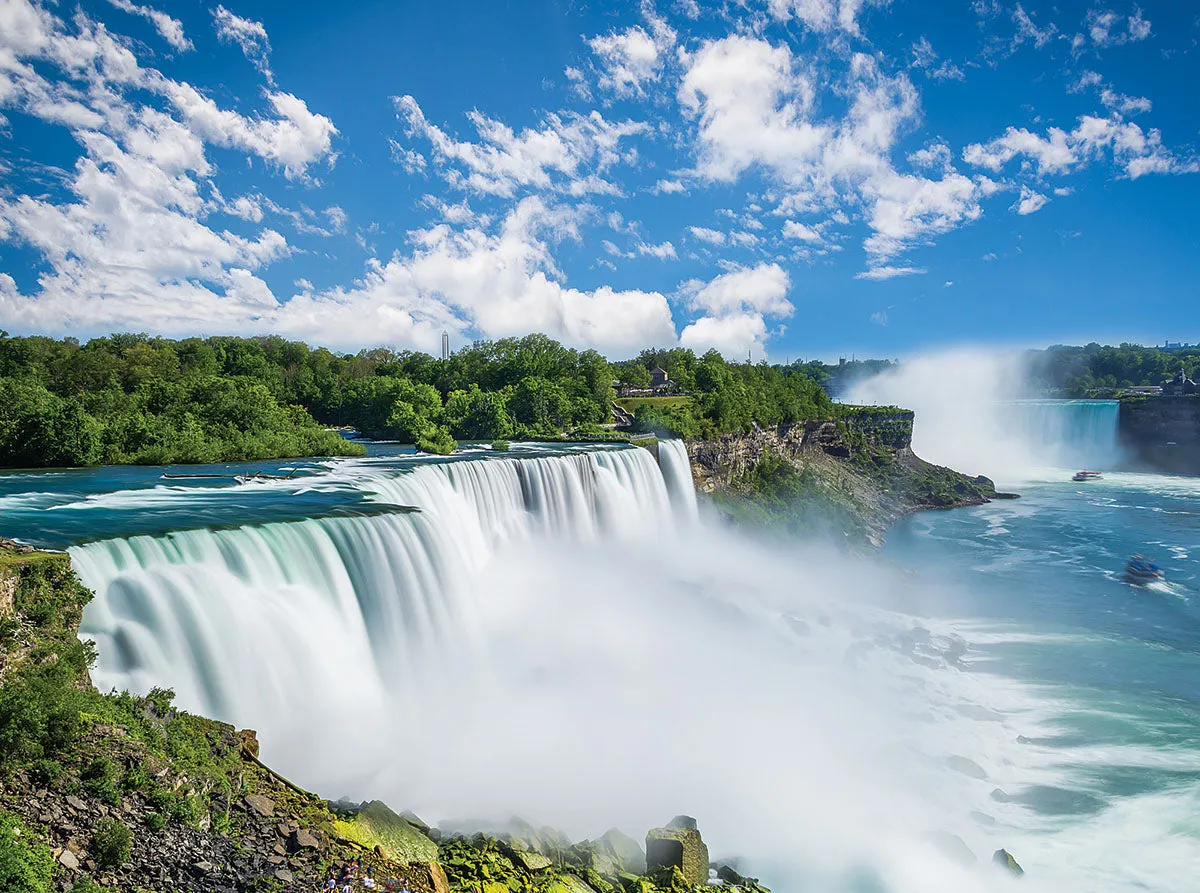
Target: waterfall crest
[{"x": 256, "y": 619}]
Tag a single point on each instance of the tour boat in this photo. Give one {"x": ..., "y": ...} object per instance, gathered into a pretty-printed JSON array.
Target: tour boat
[
  {"x": 1087, "y": 476},
  {"x": 1140, "y": 569}
]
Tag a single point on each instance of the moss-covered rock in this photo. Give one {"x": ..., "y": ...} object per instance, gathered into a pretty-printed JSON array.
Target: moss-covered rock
[
  {"x": 678, "y": 848},
  {"x": 374, "y": 824}
]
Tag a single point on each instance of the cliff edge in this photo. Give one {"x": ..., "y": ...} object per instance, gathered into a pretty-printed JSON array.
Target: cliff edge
[{"x": 851, "y": 476}]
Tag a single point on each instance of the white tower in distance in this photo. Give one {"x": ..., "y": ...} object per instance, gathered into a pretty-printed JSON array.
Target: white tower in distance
[{"x": 445, "y": 345}]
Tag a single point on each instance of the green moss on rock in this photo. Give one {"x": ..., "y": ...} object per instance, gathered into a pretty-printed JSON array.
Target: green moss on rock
[{"x": 376, "y": 825}]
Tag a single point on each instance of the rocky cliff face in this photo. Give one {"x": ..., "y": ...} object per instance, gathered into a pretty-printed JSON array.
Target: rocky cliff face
[
  {"x": 861, "y": 467},
  {"x": 1161, "y": 433}
]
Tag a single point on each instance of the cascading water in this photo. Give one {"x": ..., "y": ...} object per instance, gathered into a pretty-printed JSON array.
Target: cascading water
[
  {"x": 677, "y": 472},
  {"x": 246, "y": 623},
  {"x": 1073, "y": 433}
]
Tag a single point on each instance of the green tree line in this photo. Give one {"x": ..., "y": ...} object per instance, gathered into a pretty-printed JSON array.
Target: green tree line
[
  {"x": 140, "y": 399},
  {"x": 1080, "y": 371}
]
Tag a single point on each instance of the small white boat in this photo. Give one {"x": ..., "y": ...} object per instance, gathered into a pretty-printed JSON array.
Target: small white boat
[{"x": 1080, "y": 476}]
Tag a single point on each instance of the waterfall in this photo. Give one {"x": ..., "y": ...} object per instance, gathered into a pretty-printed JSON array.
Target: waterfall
[
  {"x": 677, "y": 472},
  {"x": 270, "y": 622},
  {"x": 968, "y": 416},
  {"x": 1074, "y": 433}
]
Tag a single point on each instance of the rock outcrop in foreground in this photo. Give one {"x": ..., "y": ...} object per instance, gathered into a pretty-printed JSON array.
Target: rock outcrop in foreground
[{"x": 129, "y": 794}]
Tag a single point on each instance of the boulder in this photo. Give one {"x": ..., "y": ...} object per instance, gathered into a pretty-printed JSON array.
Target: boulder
[
  {"x": 248, "y": 739},
  {"x": 1005, "y": 860},
  {"x": 569, "y": 883},
  {"x": 683, "y": 822},
  {"x": 376, "y": 825},
  {"x": 263, "y": 806},
  {"x": 618, "y": 853},
  {"x": 681, "y": 848},
  {"x": 68, "y": 860},
  {"x": 303, "y": 839}
]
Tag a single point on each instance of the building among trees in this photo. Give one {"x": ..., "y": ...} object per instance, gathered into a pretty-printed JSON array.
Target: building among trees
[{"x": 1180, "y": 385}]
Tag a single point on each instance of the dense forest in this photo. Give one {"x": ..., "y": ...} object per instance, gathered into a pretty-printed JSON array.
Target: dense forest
[
  {"x": 140, "y": 399},
  {"x": 1084, "y": 371}
]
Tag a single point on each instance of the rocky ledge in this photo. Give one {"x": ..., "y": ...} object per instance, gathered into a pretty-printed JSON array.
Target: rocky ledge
[{"x": 854, "y": 475}]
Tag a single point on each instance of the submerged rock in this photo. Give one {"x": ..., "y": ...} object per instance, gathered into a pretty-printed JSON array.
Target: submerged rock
[
  {"x": 952, "y": 847},
  {"x": 966, "y": 766},
  {"x": 1005, "y": 860}
]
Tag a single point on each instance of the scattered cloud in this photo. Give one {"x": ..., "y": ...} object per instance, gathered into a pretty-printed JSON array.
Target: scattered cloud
[
  {"x": 1029, "y": 201},
  {"x": 793, "y": 229},
  {"x": 148, "y": 227},
  {"x": 878, "y": 274},
  {"x": 250, "y": 37},
  {"x": 924, "y": 59},
  {"x": 567, "y": 152},
  {"x": 1028, "y": 31},
  {"x": 627, "y": 61},
  {"x": 735, "y": 305},
  {"x": 662, "y": 251},
  {"x": 1106, "y": 28},
  {"x": 1126, "y": 105},
  {"x": 1135, "y": 151},
  {"x": 170, "y": 29},
  {"x": 711, "y": 236},
  {"x": 822, "y": 15}
]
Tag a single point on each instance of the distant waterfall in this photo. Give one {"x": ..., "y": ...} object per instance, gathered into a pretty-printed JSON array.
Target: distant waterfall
[
  {"x": 1067, "y": 432},
  {"x": 258, "y": 619}
]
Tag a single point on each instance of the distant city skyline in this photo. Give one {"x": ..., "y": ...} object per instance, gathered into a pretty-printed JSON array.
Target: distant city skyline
[{"x": 788, "y": 178}]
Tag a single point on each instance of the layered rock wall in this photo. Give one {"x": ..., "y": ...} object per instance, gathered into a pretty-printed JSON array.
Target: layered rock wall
[{"x": 1161, "y": 433}]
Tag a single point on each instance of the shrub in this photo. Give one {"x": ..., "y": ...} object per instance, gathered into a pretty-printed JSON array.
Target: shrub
[
  {"x": 26, "y": 866},
  {"x": 156, "y": 821},
  {"x": 163, "y": 700},
  {"x": 100, "y": 779},
  {"x": 136, "y": 778},
  {"x": 500, "y": 446},
  {"x": 85, "y": 885},
  {"x": 112, "y": 844},
  {"x": 437, "y": 441},
  {"x": 40, "y": 707},
  {"x": 47, "y": 771}
]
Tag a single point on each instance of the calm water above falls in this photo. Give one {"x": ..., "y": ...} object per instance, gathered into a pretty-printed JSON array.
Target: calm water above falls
[{"x": 988, "y": 677}]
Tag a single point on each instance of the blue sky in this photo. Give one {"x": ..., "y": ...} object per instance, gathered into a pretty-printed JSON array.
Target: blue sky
[{"x": 793, "y": 178}]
